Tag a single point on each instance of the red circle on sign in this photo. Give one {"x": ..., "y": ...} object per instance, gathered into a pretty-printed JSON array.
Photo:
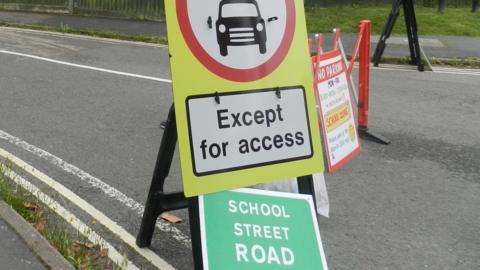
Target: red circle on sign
[{"x": 235, "y": 74}]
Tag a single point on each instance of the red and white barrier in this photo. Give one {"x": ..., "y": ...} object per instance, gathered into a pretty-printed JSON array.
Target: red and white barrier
[
  {"x": 360, "y": 50},
  {"x": 363, "y": 74}
]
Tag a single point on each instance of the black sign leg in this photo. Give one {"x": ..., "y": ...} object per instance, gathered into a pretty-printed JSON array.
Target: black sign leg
[
  {"x": 365, "y": 133},
  {"x": 305, "y": 186},
  {"x": 387, "y": 31},
  {"x": 194, "y": 218},
  {"x": 157, "y": 201},
  {"x": 412, "y": 31},
  {"x": 408, "y": 26}
]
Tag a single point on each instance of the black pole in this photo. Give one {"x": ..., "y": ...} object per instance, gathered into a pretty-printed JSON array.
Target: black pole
[
  {"x": 441, "y": 5},
  {"x": 305, "y": 186},
  {"x": 475, "y": 5},
  {"x": 194, "y": 219}
]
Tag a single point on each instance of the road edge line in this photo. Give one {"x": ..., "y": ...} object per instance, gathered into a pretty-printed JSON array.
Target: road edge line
[
  {"x": 71, "y": 219},
  {"x": 94, "y": 182},
  {"x": 111, "y": 71},
  {"x": 116, "y": 229}
]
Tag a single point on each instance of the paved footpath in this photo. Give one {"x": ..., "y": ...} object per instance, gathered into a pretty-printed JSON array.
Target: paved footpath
[
  {"x": 434, "y": 46},
  {"x": 22, "y": 247},
  {"x": 81, "y": 22},
  {"x": 14, "y": 253}
]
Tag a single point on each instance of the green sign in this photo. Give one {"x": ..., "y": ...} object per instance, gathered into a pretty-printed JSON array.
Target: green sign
[{"x": 256, "y": 229}]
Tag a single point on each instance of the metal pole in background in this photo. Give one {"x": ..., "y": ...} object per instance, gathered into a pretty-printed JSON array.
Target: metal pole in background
[
  {"x": 475, "y": 5},
  {"x": 441, "y": 5}
]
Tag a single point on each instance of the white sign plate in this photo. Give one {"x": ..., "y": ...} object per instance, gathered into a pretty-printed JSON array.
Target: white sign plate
[
  {"x": 240, "y": 130},
  {"x": 337, "y": 116},
  {"x": 239, "y": 34}
]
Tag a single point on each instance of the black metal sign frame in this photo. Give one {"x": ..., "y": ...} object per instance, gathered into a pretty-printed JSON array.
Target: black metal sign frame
[
  {"x": 412, "y": 33},
  {"x": 159, "y": 201}
]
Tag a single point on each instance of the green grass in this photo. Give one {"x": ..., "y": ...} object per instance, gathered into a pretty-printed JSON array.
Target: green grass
[
  {"x": 473, "y": 63},
  {"x": 469, "y": 62},
  {"x": 453, "y": 22},
  {"x": 16, "y": 197}
]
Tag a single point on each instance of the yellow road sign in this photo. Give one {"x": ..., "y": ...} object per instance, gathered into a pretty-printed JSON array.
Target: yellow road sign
[{"x": 243, "y": 92}]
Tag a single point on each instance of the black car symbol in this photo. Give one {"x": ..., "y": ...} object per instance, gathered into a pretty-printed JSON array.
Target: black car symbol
[{"x": 240, "y": 23}]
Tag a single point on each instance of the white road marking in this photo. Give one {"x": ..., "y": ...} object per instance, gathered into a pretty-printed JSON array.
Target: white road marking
[
  {"x": 87, "y": 67},
  {"x": 81, "y": 37},
  {"x": 90, "y": 209},
  {"x": 444, "y": 70},
  {"x": 440, "y": 70},
  {"x": 81, "y": 227},
  {"x": 96, "y": 183}
]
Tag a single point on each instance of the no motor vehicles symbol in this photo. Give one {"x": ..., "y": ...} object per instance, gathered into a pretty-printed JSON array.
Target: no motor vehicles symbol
[{"x": 239, "y": 40}]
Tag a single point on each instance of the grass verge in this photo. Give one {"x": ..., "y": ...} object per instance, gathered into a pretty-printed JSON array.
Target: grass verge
[
  {"x": 471, "y": 62},
  {"x": 88, "y": 32},
  {"x": 76, "y": 248},
  {"x": 453, "y": 22}
]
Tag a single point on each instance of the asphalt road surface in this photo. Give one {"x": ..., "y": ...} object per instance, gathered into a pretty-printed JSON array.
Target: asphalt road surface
[{"x": 87, "y": 111}]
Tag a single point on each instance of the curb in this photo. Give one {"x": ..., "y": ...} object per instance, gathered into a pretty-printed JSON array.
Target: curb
[{"x": 34, "y": 240}]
